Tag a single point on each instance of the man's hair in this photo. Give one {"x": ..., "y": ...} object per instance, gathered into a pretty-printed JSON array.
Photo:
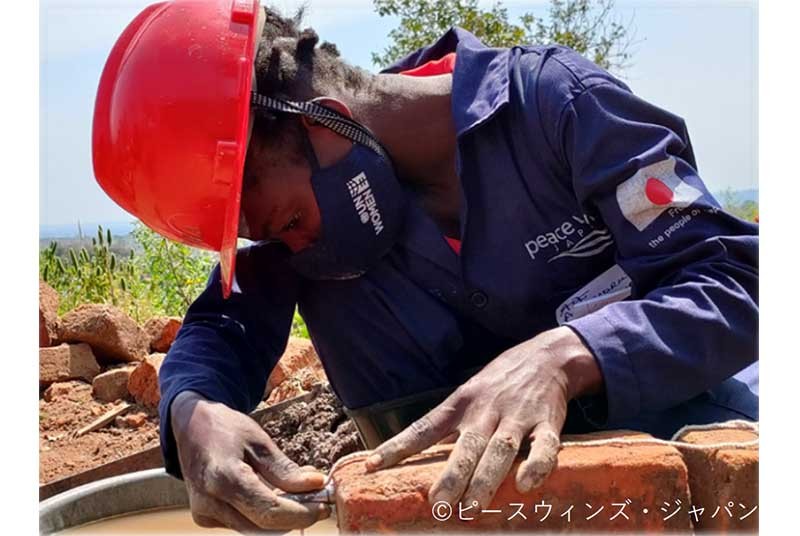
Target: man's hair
[{"x": 290, "y": 65}]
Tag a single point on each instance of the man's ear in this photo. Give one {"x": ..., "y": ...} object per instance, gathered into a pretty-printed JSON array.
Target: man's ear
[{"x": 328, "y": 102}]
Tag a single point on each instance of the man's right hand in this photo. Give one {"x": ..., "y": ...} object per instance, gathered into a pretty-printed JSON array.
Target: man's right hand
[{"x": 230, "y": 466}]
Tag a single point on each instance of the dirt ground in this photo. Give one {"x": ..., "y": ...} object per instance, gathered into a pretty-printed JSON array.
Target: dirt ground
[
  {"x": 61, "y": 456},
  {"x": 314, "y": 433}
]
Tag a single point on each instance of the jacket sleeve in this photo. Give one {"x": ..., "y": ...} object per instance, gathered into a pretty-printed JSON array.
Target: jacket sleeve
[
  {"x": 226, "y": 349},
  {"x": 691, "y": 320}
]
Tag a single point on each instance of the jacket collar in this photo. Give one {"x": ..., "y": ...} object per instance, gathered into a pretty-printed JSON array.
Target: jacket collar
[{"x": 480, "y": 76}]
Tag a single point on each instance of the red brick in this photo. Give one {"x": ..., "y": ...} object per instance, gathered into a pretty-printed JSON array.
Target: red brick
[
  {"x": 395, "y": 499},
  {"x": 67, "y": 362},
  {"x": 299, "y": 354},
  {"x": 161, "y": 331},
  {"x": 131, "y": 420},
  {"x": 58, "y": 390},
  {"x": 112, "y": 385},
  {"x": 718, "y": 476},
  {"x": 112, "y": 334},
  {"x": 143, "y": 383},
  {"x": 296, "y": 372},
  {"x": 48, "y": 315},
  {"x": 300, "y": 383}
]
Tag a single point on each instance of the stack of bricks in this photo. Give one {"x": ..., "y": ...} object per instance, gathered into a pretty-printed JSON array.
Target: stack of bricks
[{"x": 618, "y": 486}]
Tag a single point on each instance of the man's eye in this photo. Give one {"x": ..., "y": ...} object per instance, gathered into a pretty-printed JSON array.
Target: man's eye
[{"x": 292, "y": 223}]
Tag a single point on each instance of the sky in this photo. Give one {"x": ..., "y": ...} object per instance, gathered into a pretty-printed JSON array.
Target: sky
[{"x": 698, "y": 59}]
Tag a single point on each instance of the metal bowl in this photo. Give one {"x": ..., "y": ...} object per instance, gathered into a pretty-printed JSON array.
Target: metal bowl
[{"x": 111, "y": 497}]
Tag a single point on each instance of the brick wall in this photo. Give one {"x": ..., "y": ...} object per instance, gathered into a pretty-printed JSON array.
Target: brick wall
[{"x": 595, "y": 488}]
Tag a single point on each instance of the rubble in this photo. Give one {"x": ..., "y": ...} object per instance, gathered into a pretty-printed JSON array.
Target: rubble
[
  {"x": 296, "y": 372},
  {"x": 58, "y": 390},
  {"x": 161, "y": 331},
  {"x": 112, "y": 334},
  {"x": 112, "y": 385},
  {"x": 143, "y": 382},
  {"x": 48, "y": 315},
  {"x": 131, "y": 420},
  {"x": 67, "y": 362}
]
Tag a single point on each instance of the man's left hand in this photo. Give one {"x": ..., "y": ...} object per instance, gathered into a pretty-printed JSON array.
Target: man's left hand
[{"x": 521, "y": 395}]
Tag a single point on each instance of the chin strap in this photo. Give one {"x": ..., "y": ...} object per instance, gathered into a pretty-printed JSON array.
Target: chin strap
[{"x": 338, "y": 123}]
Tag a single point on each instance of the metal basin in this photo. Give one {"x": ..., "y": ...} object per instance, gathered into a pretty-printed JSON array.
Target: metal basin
[{"x": 132, "y": 493}]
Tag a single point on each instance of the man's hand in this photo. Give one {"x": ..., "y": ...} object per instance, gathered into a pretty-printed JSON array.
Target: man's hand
[
  {"x": 230, "y": 465},
  {"x": 520, "y": 396}
]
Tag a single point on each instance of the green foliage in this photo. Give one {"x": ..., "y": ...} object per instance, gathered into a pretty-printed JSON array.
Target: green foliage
[
  {"x": 745, "y": 209},
  {"x": 162, "y": 280},
  {"x": 173, "y": 274},
  {"x": 92, "y": 275},
  {"x": 299, "y": 328},
  {"x": 586, "y": 26},
  {"x": 158, "y": 277}
]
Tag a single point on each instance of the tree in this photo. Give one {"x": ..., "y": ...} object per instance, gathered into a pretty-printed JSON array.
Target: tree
[
  {"x": 587, "y": 26},
  {"x": 745, "y": 209}
]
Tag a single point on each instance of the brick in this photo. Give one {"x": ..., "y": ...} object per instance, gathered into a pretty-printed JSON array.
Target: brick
[
  {"x": 143, "y": 383},
  {"x": 112, "y": 334},
  {"x": 395, "y": 499},
  {"x": 161, "y": 332},
  {"x": 302, "y": 382},
  {"x": 67, "y": 362},
  {"x": 131, "y": 420},
  {"x": 718, "y": 476},
  {"x": 58, "y": 390},
  {"x": 298, "y": 364},
  {"x": 112, "y": 385},
  {"x": 48, "y": 315}
]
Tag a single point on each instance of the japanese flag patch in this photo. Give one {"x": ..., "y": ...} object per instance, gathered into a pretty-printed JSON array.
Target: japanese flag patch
[{"x": 654, "y": 189}]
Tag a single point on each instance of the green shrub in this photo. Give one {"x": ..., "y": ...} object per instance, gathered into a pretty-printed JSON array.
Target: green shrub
[{"x": 158, "y": 277}]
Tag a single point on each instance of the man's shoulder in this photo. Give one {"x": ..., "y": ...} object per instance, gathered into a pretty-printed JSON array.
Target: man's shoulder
[{"x": 557, "y": 72}]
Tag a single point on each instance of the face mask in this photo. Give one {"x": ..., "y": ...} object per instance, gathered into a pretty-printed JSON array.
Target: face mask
[
  {"x": 362, "y": 207},
  {"x": 362, "y": 204}
]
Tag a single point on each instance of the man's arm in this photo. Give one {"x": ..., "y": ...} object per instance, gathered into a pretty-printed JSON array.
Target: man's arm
[
  {"x": 226, "y": 349},
  {"x": 690, "y": 322},
  {"x": 214, "y": 373},
  {"x": 692, "y": 318}
]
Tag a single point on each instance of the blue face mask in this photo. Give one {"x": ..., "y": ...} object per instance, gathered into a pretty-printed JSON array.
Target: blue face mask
[
  {"x": 362, "y": 207},
  {"x": 362, "y": 204}
]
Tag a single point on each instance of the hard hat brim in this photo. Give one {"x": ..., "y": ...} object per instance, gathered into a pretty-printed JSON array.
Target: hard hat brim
[{"x": 230, "y": 232}]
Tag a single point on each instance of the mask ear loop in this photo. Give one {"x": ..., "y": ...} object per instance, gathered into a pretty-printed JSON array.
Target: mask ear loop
[{"x": 342, "y": 125}]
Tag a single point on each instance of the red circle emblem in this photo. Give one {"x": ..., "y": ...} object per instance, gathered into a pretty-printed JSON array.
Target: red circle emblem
[{"x": 657, "y": 192}]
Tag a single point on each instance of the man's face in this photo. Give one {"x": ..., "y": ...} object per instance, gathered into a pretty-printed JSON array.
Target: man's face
[{"x": 278, "y": 203}]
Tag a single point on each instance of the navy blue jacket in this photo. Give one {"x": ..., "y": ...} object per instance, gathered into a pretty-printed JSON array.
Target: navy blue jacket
[{"x": 581, "y": 206}]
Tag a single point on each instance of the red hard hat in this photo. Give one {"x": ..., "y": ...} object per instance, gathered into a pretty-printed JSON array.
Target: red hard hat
[{"x": 171, "y": 121}]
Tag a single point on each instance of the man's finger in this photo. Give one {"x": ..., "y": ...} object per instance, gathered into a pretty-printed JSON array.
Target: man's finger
[
  {"x": 460, "y": 466},
  {"x": 244, "y": 490},
  {"x": 423, "y": 433},
  {"x": 494, "y": 465},
  {"x": 541, "y": 460},
  {"x": 280, "y": 471}
]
